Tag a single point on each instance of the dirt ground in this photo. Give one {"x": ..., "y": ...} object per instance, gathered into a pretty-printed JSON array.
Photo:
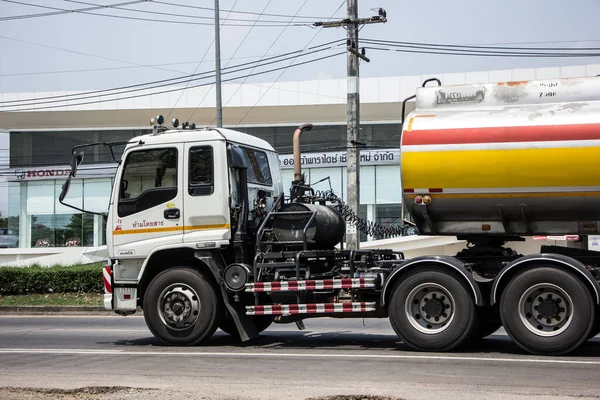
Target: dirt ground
[{"x": 126, "y": 393}]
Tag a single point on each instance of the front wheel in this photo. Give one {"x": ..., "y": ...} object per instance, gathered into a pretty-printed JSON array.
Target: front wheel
[
  {"x": 547, "y": 311},
  {"x": 432, "y": 310},
  {"x": 181, "y": 307}
]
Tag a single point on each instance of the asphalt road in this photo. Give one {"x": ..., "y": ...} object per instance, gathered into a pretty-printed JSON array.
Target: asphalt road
[{"x": 331, "y": 357}]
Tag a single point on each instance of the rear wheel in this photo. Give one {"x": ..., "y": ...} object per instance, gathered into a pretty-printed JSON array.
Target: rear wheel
[
  {"x": 547, "y": 311},
  {"x": 181, "y": 307},
  {"x": 432, "y": 310}
]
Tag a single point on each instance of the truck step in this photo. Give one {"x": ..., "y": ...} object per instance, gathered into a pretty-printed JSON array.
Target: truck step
[
  {"x": 310, "y": 285},
  {"x": 318, "y": 308}
]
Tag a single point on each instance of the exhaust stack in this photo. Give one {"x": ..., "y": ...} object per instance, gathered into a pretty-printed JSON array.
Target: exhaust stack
[{"x": 297, "y": 153}]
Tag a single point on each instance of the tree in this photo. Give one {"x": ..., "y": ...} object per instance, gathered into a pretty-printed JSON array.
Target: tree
[
  {"x": 9, "y": 222},
  {"x": 80, "y": 227}
]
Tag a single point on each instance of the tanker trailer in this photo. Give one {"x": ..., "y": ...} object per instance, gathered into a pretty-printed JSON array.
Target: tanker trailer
[{"x": 494, "y": 163}]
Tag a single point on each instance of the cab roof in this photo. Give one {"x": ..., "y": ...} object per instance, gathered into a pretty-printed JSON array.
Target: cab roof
[{"x": 196, "y": 135}]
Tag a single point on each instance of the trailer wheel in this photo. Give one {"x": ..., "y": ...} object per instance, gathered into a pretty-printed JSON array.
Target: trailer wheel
[
  {"x": 262, "y": 322},
  {"x": 432, "y": 310},
  {"x": 181, "y": 307},
  {"x": 547, "y": 311}
]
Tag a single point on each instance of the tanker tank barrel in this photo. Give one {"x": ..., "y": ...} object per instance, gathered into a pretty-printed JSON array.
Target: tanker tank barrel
[{"x": 506, "y": 158}]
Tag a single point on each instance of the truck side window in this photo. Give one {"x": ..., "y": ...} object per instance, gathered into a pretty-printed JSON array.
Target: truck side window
[
  {"x": 149, "y": 179},
  {"x": 258, "y": 167},
  {"x": 201, "y": 180}
]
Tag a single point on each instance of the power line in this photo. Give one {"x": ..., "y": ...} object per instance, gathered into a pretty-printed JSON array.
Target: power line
[
  {"x": 481, "y": 54},
  {"x": 283, "y": 72},
  {"x": 139, "y": 89},
  {"x": 153, "y": 20},
  {"x": 428, "y": 48},
  {"x": 537, "y": 42},
  {"x": 69, "y": 71},
  {"x": 228, "y": 61},
  {"x": 190, "y": 87},
  {"x": 84, "y": 54},
  {"x": 482, "y": 47},
  {"x": 237, "y": 12},
  {"x": 59, "y": 11},
  {"x": 198, "y": 66},
  {"x": 162, "y": 82},
  {"x": 174, "y": 14},
  {"x": 264, "y": 55}
]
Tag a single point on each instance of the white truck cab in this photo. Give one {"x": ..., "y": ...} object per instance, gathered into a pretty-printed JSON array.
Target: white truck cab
[{"x": 174, "y": 190}]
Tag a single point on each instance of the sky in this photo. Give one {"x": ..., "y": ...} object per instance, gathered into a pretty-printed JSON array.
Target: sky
[
  {"x": 78, "y": 51},
  {"x": 116, "y": 47}
]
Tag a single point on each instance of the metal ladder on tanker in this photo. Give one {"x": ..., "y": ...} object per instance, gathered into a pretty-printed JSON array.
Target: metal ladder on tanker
[{"x": 300, "y": 284}]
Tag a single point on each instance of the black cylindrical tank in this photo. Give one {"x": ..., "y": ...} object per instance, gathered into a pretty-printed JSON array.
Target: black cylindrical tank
[{"x": 326, "y": 229}]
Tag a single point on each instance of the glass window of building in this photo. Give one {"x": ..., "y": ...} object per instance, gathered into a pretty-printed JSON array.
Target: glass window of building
[
  {"x": 387, "y": 184},
  {"x": 388, "y": 213},
  {"x": 332, "y": 176},
  {"x": 96, "y": 194}
]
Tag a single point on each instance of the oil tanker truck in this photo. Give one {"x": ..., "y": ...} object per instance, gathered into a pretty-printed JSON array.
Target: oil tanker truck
[{"x": 202, "y": 233}]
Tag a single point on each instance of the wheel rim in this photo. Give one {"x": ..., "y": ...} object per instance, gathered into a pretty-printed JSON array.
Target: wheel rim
[
  {"x": 179, "y": 306},
  {"x": 430, "y": 308},
  {"x": 546, "y": 309}
]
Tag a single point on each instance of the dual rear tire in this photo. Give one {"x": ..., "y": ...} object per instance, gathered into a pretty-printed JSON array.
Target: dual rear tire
[
  {"x": 548, "y": 311},
  {"x": 545, "y": 310},
  {"x": 432, "y": 310}
]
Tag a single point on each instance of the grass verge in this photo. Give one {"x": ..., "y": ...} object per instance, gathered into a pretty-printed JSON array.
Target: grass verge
[{"x": 52, "y": 299}]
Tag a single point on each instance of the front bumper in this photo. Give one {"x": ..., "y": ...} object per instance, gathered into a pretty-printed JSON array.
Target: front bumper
[{"x": 117, "y": 298}]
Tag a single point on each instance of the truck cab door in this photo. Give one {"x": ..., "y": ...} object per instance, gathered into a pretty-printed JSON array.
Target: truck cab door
[
  {"x": 206, "y": 195},
  {"x": 148, "y": 200}
]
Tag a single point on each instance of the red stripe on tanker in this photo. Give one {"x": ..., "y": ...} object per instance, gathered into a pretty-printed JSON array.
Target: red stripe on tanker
[{"x": 502, "y": 134}]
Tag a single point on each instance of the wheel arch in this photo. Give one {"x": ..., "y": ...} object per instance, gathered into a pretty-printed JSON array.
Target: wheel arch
[
  {"x": 560, "y": 260},
  {"x": 177, "y": 257},
  {"x": 448, "y": 262}
]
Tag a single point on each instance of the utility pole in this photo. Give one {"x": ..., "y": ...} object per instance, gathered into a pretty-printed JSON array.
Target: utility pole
[
  {"x": 352, "y": 23},
  {"x": 219, "y": 103}
]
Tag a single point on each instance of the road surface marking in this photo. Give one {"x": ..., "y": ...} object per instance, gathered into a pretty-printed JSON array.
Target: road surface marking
[{"x": 293, "y": 355}]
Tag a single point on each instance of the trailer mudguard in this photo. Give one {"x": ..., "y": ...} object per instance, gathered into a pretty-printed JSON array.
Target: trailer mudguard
[
  {"x": 443, "y": 261},
  {"x": 557, "y": 259}
]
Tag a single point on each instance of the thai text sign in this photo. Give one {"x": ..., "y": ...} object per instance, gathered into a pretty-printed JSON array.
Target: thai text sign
[{"x": 340, "y": 158}]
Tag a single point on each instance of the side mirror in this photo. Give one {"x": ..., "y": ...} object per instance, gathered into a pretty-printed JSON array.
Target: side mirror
[
  {"x": 76, "y": 159},
  {"x": 65, "y": 189},
  {"x": 235, "y": 157}
]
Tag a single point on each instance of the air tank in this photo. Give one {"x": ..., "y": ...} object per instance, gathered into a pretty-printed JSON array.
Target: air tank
[
  {"x": 326, "y": 229},
  {"x": 508, "y": 158}
]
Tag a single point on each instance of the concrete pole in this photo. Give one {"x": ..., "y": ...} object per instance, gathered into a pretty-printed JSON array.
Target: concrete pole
[
  {"x": 353, "y": 110},
  {"x": 219, "y": 103}
]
